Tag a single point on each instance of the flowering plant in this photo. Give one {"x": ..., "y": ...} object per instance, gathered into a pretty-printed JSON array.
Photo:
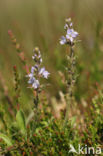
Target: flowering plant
[
  {"x": 37, "y": 71},
  {"x": 71, "y": 35},
  {"x": 70, "y": 40}
]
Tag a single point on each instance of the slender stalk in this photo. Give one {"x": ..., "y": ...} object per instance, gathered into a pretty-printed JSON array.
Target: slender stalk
[
  {"x": 36, "y": 103},
  {"x": 36, "y": 100},
  {"x": 70, "y": 83}
]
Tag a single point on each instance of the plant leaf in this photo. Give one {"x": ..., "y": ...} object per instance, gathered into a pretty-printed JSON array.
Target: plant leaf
[
  {"x": 20, "y": 118},
  {"x": 30, "y": 117},
  {"x": 73, "y": 120},
  {"x": 6, "y": 139}
]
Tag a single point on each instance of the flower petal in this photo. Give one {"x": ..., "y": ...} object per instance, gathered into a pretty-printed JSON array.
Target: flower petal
[{"x": 63, "y": 40}]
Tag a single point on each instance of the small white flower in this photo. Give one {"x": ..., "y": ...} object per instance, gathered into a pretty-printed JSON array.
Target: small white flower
[
  {"x": 41, "y": 60},
  {"x": 66, "y": 26},
  {"x": 71, "y": 24},
  {"x": 70, "y": 38},
  {"x": 63, "y": 40},
  {"x": 33, "y": 57},
  {"x": 71, "y": 34},
  {"x": 39, "y": 56},
  {"x": 35, "y": 84},
  {"x": 31, "y": 80},
  {"x": 44, "y": 73}
]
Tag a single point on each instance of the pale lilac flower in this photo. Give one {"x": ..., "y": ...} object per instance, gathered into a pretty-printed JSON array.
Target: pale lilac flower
[
  {"x": 41, "y": 60},
  {"x": 70, "y": 38},
  {"x": 37, "y": 71},
  {"x": 32, "y": 69},
  {"x": 31, "y": 80},
  {"x": 66, "y": 26},
  {"x": 71, "y": 24},
  {"x": 63, "y": 40},
  {"x": 70, "y": 33},
  {"x": 35, "y": 84},
  {"x": 33, "y": 57},
  {"x": 44, "y": 73}
]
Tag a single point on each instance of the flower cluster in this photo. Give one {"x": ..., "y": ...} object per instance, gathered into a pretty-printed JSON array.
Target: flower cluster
[
  {"x": 70, "y": 33},
  {"x": 37, "y": 71}
]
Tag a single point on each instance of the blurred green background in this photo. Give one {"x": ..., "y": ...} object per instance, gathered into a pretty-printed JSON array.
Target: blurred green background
[{"x": 41, "y": 23}]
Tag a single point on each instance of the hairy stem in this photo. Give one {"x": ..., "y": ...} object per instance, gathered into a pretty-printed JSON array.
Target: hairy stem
[{"x": 70, "y": 83}]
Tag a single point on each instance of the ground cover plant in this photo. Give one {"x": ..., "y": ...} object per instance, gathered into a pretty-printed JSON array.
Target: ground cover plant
[{"x": 51, "y": 97}]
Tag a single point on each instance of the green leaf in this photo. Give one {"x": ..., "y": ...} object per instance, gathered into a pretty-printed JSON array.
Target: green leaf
[
  {"x": 20, "y": 118},
  {"x": 30, "y": 117},
  {"x": 73, "y": 120},
  {"x": 6, "y": 139}
]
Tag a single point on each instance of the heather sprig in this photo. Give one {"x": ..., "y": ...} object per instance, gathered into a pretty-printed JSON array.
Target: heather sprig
[
  {"x": 70, "y": 39},
  {"x": 19, "y": 50}
]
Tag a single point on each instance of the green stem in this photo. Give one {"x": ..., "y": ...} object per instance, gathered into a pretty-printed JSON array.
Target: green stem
[
  {"x": 70, "y": 85},
  {"x": 67, "y": 110},
  {"x": 36, "y": 111}
]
